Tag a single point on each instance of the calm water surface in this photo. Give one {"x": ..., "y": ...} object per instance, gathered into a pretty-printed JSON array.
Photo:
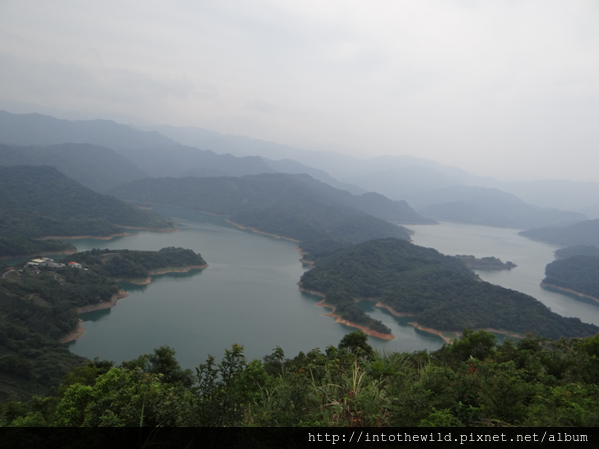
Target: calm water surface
[
  {"x": 248, "y": 295},
  {"x": 530, "y": 256}
]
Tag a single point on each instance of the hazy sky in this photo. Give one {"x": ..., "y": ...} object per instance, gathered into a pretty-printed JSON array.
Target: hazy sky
[{"x": 490, "y": 86}]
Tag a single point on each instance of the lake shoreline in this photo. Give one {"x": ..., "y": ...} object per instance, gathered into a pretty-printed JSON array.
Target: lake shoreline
[
  {"x": 74, "y": 237},
  {"x": 442, "y": 334},
  {"x": 364, "y": 329},
  {"x": 158, "y": 271},
  {"x": 567, "y": 290},
  {"x": 338, "y": 319},
  {"x": 78, "y": 332},
  {"x": 261, "y": 232}
]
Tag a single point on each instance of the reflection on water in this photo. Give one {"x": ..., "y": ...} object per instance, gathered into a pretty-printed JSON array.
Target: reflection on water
[{"x": 96, "y": 315}]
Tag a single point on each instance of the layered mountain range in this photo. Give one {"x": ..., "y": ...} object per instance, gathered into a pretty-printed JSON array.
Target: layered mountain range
[{"x": 437, "y": 191}]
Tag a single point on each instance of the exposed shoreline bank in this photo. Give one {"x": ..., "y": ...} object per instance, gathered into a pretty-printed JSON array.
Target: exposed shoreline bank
[
  {"x": 338, "y": 319},
  {"x": 442, "y": 334},
  {"x": 78, "y": 332},
  {"x": 364, "y": 329},
  {"x": 261, "y": 232},
  {"x": 150, "y": 229},
  {"x": 567, "y": 290}
]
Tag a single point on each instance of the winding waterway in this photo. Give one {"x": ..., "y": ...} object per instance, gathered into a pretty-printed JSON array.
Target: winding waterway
[
  {"x": 249, "y": 293},
  {"x": 530, "y": 256}
]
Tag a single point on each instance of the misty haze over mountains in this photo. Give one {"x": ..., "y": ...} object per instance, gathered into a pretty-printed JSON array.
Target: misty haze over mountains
[{"x": 438, "y": 191}]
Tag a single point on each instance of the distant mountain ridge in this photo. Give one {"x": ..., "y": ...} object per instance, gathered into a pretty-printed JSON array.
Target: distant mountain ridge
[
  {"x": 295, "y": 206},
  {"x": 583, "y": 233},
  {"x": 397, "y": 177},
  {"x": 489, "y": 207},
  {"x": 38, "y": 129},
  {"x": 96, "y": 167},
  {"x": 151, "y": 152},
  {"x": 40, "y": 201}
]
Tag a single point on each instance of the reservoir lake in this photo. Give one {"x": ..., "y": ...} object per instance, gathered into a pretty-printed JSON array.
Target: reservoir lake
[{"x": 249, "y": 293}]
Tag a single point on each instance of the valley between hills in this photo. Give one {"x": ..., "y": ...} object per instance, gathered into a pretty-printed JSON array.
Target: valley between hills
[{"x": 358, "y": 248}]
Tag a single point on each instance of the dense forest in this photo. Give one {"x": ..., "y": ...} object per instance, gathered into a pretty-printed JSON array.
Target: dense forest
[
  {"x": 439, "y": 290},
  {"x": 474, "y": 382},
  {"x": 578, "y": 273},
  {"x": 36, "y": 311},
  {"x": 578, "y": 250},
  {"x": 23, "y": 246},
  {"x": 39, "y": 201},
  {"x": 583, "y": 233},
  {"x": 96, "y": 167},
  {"x": 38, "y": 307},
  {"x": 124, "y": 263}
]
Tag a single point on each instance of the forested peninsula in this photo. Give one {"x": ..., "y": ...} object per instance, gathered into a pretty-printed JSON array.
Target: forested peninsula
[
  {"x": 576, "y": 275},
  {"x": 440, "y": 291},
  {"x": 39, "y": 307},
  {"x": 127, "y": 264},
  {"x": 577, "y": 250},
  {"x": 582, "y": 233}
]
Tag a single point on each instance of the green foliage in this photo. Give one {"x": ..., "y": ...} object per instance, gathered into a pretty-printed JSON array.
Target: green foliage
[
  {"x": 438, "y": 289},
  {"x": 162, "y": 362},
  {"x": 126, "y": 263},
  {"x": 25, "y": 246},
  {"x": 477, "y": 382},
  {"x": 355, "y": 343},
  {"x": 40, "y": 201},
  {"x": 578, "y": 273}
]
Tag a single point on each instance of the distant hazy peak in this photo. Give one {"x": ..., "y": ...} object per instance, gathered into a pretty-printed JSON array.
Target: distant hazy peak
[{"x": 39, "y": 129}]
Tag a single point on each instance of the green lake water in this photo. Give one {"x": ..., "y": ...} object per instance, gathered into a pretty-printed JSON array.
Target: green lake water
[{"x": 249, "y": 293}]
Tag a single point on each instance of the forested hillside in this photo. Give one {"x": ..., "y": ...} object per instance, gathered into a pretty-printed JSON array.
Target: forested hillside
[
  {"x": 98, "y": 168},
  {"x": 39, "y": 201},
  {"x": 126, "y": 263},
  {"x": 23, "y": 246},
  {"x": 228, "y": 196},
  {"x": 294, "y": 206},
  {"x": 40, "y": 129},
  {"x": 578, "y": 273},
  {"x": 578, "y": 250},
  {"x": 439, "y": 290},
  {"x": 583, "y": 233},
  {"x": 38, "y": 307}
]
